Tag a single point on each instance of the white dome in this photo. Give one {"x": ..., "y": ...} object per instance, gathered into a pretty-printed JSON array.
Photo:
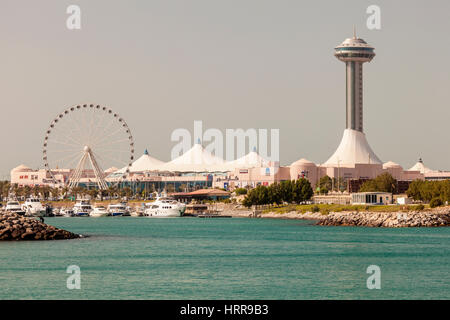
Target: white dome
[
  {"x": 391, "y": 164},
  {"x": 21, "y": 168},
  {"x": 303, "y": 162}
]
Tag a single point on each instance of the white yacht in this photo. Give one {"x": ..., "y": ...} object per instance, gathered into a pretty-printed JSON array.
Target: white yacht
[
  {"x": 14, "y": 206},
  {"x": 118, "y": 209},
  {"x": 136, "y": 212},
  {"x": 99, "y": 212},
  {"x": 57, "y": 212},
  {"x": 33, "y": 207},
  {"x": 164, "y": 207},
  {"x": 67, "y": 212},
  {"x": 82, "y": 208}
]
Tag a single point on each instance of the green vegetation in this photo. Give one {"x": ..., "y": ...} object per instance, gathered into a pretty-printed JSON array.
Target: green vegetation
[
  {"x": 327, "y": 208},
  {"x": 240, "y": 191},
  {"x": 327, "y": 184},
  {"x": 295, "y": 191},
  {"x": 382, "y": 183},
  {"x": 428, "y": 190},
  {"x": 435, "y": 202},
  {"x": 420, "y": 207}
]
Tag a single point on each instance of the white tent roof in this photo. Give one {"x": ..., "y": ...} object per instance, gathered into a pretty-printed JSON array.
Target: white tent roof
[
  {"x": 144, "y": 163},
  {"x": 196, "y": 159},
  {"x": 111, "y": 170},
  {"x": 250, "y": 160},
  {"x": 419, "y": 166},
  {"x": 353, "y": 149}
]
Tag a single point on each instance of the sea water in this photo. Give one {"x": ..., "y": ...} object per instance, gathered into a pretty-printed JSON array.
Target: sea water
[{"x": 237, "y": 258}]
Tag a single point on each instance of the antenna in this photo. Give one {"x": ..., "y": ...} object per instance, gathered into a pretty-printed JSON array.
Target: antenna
[{"x": 354, "y": 32}]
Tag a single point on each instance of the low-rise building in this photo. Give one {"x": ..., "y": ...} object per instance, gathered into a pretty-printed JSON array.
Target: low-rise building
[{"x": 371, "y": 198}]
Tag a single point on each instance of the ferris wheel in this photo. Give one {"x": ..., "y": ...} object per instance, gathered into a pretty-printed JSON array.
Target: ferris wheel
[{"x": 85, "y": 140}]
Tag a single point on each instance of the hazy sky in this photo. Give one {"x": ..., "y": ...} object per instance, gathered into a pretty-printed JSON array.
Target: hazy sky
[{"x": 232, "y": 64}]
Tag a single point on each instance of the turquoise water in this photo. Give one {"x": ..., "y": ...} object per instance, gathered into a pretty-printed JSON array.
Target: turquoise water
[{"x": 192, "y": 258}]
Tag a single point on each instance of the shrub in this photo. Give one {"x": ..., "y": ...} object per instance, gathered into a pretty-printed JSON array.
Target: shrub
[
  {"x": 315, "y": 209},
  {"x": 420, "y": 207},
  {"x": 435, "y": 202},
  {"x": 325, "y": 211},
  {"x": 240, "y": 191}
]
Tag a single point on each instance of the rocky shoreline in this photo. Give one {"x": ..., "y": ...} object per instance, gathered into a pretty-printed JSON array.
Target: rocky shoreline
[
  {"x": 387, "y": 219},
  {"x": 438, "y": 217},
  {"x": 15, "y": 227}
]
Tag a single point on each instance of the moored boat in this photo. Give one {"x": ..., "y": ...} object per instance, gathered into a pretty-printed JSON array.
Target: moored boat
[
  {"x": 82, "y": 208},
  {"x": 33, "y": 207},
  {"x": 14, "y": 206},
  {"x": 67, "y": 212},
  {"x": 118, "y": 209},
  {"x": 99, "y": 211},
  {"x": 164, "y": 208}
]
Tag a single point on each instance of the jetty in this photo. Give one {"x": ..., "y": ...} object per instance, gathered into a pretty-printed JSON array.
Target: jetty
[{"x": 16, "y": 227}]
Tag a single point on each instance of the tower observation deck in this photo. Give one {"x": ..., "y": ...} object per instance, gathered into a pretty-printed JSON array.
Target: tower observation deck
[{"x": 354, "y": 52}]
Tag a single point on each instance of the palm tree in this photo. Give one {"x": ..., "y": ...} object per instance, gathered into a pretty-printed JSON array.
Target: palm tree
[
  {"x": 55, "y": 192},
  {"x": 65, "y": 191},
  {"x": 92, "y": 193},
  {"x": 112, "y": 191}
]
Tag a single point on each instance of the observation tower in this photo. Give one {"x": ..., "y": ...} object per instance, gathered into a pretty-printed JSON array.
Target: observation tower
[{"x": 354, "y": 147}]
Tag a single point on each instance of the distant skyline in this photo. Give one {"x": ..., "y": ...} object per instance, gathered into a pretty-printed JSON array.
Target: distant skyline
[{"x": 232, "y": 64}]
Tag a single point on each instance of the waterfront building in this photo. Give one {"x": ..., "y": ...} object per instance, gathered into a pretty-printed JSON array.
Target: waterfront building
[{"x": 371, "y": 198}]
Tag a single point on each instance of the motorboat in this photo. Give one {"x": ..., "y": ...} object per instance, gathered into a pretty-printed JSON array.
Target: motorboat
[
  {"x": 67, "y": 212},
  {"x": 164, "y": 207},
  {"x": 14, "y": 206},
  {"x": 136, "y": 212},
  {"x": 57, "y": 212},
  {"x": 33, "y": 207},
  {"x": 118, "y": 209},
  {"x": 99, "y": 211},
  {"x": 82, "y": 208}
]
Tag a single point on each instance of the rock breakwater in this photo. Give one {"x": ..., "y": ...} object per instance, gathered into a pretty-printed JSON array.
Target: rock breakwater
[
  {"x": 387, "y": 219},
  {"x": 15, "y": 227}
]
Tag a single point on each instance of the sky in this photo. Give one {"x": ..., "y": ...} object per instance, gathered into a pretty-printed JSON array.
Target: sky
[{"x": 232, "y": 64}]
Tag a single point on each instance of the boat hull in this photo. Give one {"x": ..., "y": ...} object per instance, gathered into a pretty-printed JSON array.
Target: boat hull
[
  {"x": 81, "y": 214},
  {"x": 164, "y": 213}
]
